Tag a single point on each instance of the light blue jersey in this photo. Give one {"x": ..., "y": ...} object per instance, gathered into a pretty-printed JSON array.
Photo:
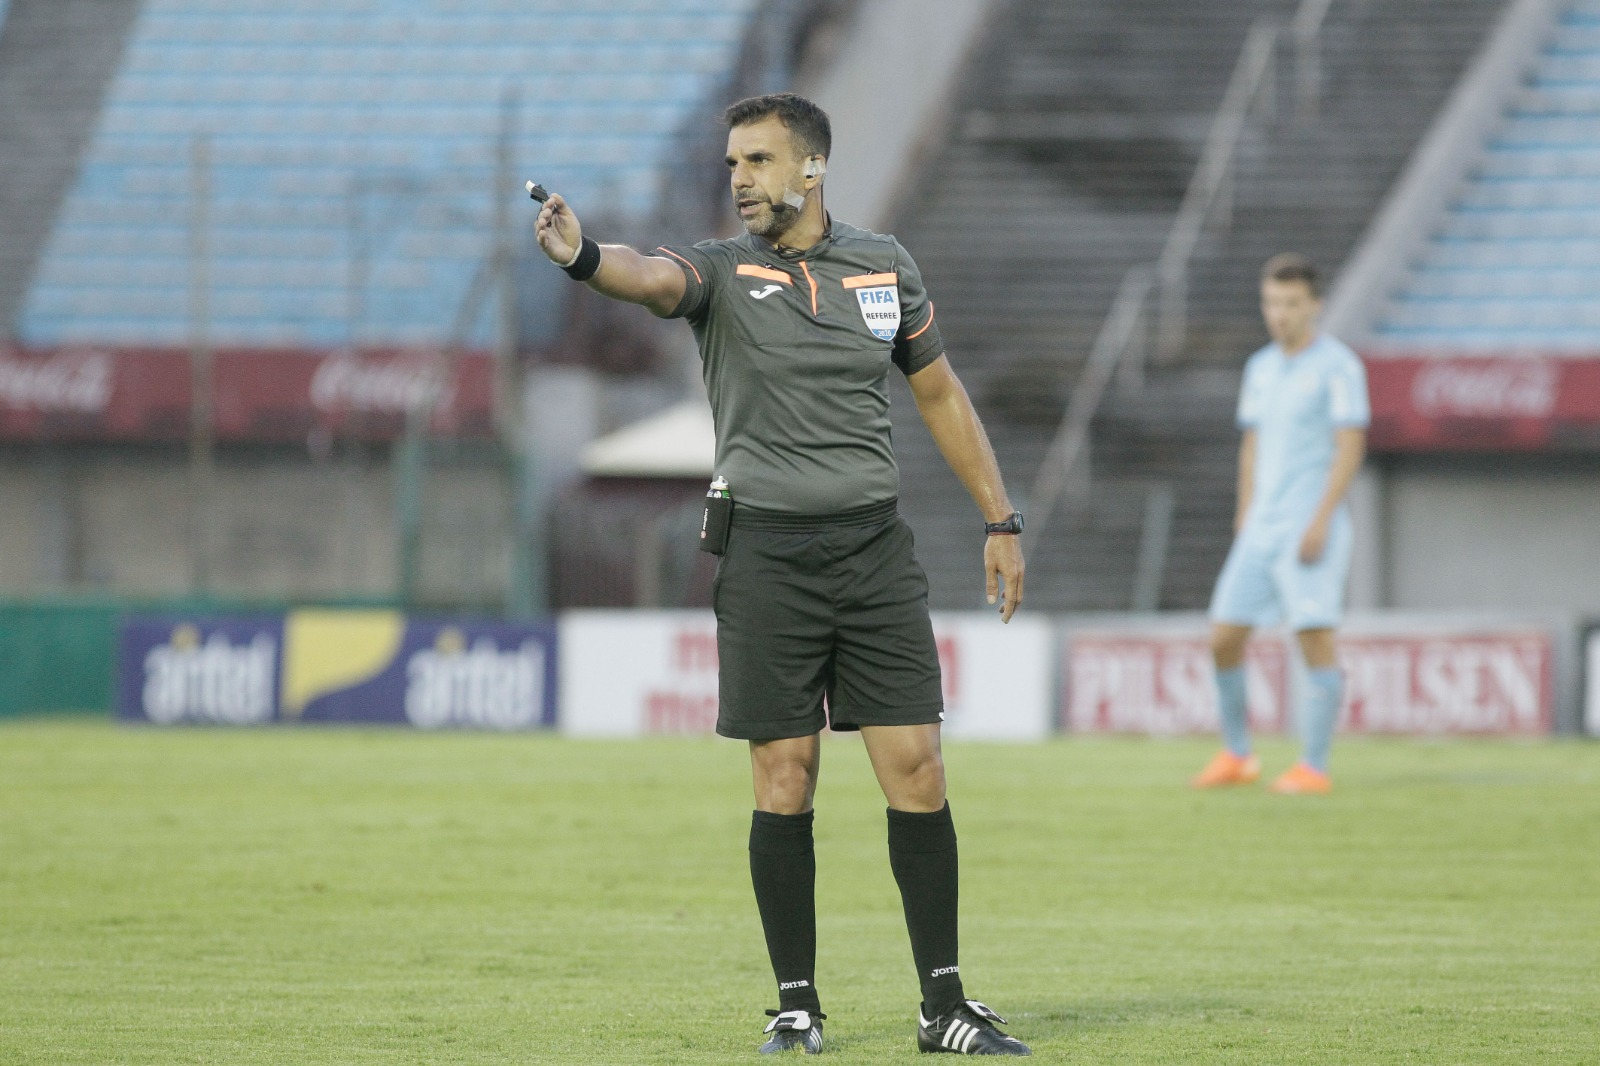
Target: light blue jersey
[{"x": 1294, "y": 405}]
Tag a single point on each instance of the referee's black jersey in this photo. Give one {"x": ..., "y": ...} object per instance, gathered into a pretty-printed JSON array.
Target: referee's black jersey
[{"x": 796, "y": 352}]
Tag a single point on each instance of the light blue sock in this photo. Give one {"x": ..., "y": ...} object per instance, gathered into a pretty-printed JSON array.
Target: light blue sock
[
  {"x": 1231, "y": 709},
  {"x": 1320, "y": 713}
]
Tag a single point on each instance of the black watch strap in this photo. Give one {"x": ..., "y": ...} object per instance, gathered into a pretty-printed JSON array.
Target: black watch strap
[{"x": 1012, "y": 524}]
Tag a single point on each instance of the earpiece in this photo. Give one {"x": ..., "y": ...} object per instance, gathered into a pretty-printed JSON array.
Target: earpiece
[{"x": 815, "y": 168}]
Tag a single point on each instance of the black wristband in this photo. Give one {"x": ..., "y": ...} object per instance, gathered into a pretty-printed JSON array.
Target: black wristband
[{"x": 588, "y": 262}]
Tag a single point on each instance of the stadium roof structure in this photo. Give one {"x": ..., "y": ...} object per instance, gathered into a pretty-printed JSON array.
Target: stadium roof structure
[{"x": 680, "y": 442}]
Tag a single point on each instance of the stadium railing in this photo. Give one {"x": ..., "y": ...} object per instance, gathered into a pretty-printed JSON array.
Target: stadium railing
[{"x": 1120, "y": 346}]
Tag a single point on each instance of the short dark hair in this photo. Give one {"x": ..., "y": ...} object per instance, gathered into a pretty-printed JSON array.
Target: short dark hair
[
  {"x": 808, "y": 125},
  {"x": 1292, "y": 266}
]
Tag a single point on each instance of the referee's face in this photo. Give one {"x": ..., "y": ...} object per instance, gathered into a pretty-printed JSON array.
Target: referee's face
[{"x": 762, "y": 165}]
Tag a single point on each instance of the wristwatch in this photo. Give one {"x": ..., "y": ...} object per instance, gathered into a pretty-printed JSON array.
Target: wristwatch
[{"x": 1011, "y": 525}]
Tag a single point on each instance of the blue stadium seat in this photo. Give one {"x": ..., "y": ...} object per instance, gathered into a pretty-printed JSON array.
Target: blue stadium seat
[
  {"x": 340, "y": 134},
  {"x": 1516, "y": 263}
]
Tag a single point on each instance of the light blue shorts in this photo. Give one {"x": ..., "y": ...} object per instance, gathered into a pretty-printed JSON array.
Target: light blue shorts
[{"x": 1264, "y": 583}]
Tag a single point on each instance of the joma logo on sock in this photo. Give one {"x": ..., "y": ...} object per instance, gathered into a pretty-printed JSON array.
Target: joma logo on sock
[
  {"x": 941, "y": 971},
  {"x": 784, "y": 986}
]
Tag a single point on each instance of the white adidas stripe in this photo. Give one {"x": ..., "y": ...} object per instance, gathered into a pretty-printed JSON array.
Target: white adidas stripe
[{"x": 959, "y": 1036}]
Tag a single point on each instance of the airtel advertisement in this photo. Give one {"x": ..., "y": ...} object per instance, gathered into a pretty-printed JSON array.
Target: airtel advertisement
[
  {"x": 378, "y": 667},
  {"x": 1483, "y": 403},
  {"x": 1417, "y": 681},
  {"x": 651, "y": 673},
  {"x": 88, "y": 393}
]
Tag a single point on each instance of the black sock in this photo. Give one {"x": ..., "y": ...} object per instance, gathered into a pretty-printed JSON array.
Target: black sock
[
  {"x": 922, "y": 854},
  {"x": 783, "y": 868}
]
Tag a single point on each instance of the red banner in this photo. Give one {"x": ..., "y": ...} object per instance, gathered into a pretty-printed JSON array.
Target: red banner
[
  {"x": 1489, "y": 682},
  {"x": 1484, "y": 403},
  {"x": 1162, "y": 683},
  {"x": 88, "y": 393}
]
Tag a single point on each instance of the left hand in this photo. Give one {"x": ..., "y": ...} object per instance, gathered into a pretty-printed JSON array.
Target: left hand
[
  {"x": 1314, "y": 541},
  {"x": 1002, "y": 565}
]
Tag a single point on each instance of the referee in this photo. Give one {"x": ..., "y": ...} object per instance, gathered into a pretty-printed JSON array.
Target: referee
[{"x": 822, "y": 609}]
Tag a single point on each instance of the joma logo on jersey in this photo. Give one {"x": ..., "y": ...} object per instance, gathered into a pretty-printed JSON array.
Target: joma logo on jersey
[{"x": 880, "y": 309}]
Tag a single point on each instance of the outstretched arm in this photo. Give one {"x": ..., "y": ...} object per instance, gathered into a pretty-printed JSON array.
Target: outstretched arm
[
  {"x": 624, "y": 274},
  {"x": 946, "y": 408}
]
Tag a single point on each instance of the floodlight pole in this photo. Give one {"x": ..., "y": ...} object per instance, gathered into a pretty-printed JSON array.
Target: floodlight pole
[
  {"x": 528, "y": 595},
  {"x": 202, "y": 458}
]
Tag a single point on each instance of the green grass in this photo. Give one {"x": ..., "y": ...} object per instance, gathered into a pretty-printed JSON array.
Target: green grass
[{"x": 343, "y": 896}]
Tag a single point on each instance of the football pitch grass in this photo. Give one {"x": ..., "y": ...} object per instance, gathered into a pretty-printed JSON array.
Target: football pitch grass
[{"x": 343, "y": 896}]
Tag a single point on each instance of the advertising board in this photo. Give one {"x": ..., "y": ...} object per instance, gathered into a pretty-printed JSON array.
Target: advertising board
[
  {"x": 641, "y": 673},
  {"x": 1516, "y": 402},
  {"x": 338, "y": 666},
  {"x": 102, "y": 393},
  {"x": 1398, "y": 679},
  {"x": 1591, "y": 681},
  {"x": 220, "y": 671}
]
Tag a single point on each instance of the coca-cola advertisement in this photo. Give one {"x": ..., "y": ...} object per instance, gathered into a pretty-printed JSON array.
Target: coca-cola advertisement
[
  {"x": 86, "y": 393},
  {"x": 1515, "y": 402}
]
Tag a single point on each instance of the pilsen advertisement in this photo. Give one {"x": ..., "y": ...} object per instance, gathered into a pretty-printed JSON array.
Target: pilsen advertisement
[
  {"x": 1417, "y": 681},
  {"x": 997, "y": 679},
  {"x": 87, "y": 393},
  {"x": 1520, "y": 402}
]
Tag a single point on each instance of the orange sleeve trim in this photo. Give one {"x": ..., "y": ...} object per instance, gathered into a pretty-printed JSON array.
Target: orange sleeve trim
[
  {"x": 750, "y": 270},
  {"x": 871, "y": 279},
  {"x": 685, "y": 262},
  {"x": 813, "y": 282},
  {"x": 925, "y": 325}
]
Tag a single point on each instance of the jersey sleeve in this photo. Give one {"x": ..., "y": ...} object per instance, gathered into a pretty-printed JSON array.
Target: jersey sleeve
[
  {"x": 918, "y": 342},
  {"x": 1250, "y": 398},
  {"x": 1348, "y": 404},
  {"x": 704, "y": 269}
]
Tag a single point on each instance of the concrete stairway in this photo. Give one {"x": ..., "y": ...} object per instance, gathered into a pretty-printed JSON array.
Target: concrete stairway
[
  {"x": 1312, "y": 186},
  {"x": 56, "y": 59},
  {"x": 1082, "y": 121}
]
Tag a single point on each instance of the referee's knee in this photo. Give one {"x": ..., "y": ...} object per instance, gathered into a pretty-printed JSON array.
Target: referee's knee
[{"x": 922, "y": 786}]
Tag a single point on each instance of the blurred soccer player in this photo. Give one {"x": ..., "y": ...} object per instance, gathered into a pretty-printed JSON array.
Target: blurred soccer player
[{"x": 1303, "y": 411}]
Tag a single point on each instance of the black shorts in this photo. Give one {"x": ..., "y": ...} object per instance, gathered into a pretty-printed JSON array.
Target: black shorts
[{"x": 841, "y": 612}]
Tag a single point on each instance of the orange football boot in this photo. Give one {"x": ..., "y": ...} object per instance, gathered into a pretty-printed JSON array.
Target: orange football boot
[
  {"x": 1300, "y": 780},
  {"x": 1226, "y": 768}
]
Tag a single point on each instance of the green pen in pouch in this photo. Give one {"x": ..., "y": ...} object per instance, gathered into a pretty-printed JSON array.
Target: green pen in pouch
[{"x": 718, "y": 518}]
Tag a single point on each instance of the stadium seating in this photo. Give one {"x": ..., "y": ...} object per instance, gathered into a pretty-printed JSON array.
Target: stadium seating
[
  {"x": 353, "y": 151},
  {"x": 1516, "y": 264},
  {"x": 1079, "y": 131}
]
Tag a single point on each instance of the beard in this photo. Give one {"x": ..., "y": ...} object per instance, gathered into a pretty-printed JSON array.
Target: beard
[{"x": 770, "y": 222}]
